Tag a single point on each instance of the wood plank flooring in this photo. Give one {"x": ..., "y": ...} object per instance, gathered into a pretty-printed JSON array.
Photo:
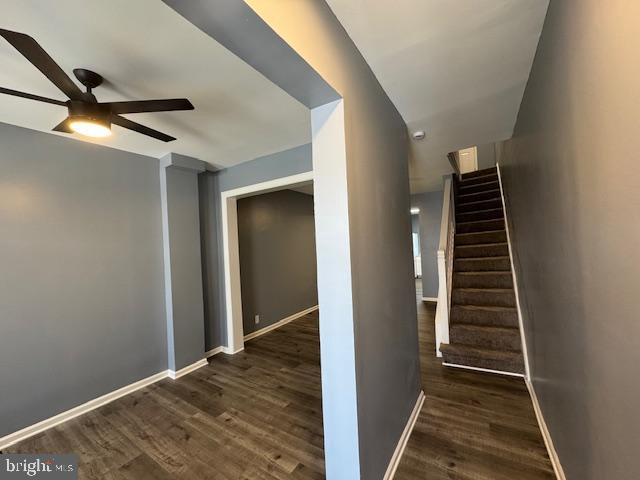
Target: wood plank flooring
[
  {"x": 258, "y": 415},
  {"x": 253, "y": 415},
  {"x": 473, "y": 426}
]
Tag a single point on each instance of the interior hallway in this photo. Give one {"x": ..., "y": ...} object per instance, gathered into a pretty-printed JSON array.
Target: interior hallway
[
  {"x": 258, "y": 415},
  {"x": 473, "y": 426}
]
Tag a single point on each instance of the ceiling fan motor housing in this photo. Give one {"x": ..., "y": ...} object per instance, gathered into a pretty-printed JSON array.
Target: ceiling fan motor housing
[{"x": 90, "y": 112}]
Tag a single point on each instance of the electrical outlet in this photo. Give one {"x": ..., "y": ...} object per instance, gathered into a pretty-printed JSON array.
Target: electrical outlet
[{"x": 257, "y": 319}]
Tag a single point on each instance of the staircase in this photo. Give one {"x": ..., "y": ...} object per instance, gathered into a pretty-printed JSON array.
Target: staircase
[{"x": 483, "y": 322}]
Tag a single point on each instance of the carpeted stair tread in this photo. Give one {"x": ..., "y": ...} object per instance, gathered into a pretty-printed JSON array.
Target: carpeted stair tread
[
  {"x": 481, "y": 250},
  {"x": 476, "y": 197},
  {"x": 484, "y": 330},
  {"x": 475, "y": 206},
  {"x": 490, "y": 359},
  {"x": 498, "y": 297},
  {"x": 486, "y": 279},
  {"x": 488, "y": 214},
  {"x": 482, "y": 264},
  {"x": 480, "y": 226},
  {"x": 477, "y": 188},
  {"x": 486, "y": 336},
  {"x": 478, "y": 238},
  {"x": 484, "y": 315},
  {"x": 481, "y": 179},
  {"x": 480, "y": 173}
]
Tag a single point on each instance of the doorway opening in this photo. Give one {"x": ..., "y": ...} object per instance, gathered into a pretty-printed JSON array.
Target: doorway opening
[{"x": 231, "y": 250}]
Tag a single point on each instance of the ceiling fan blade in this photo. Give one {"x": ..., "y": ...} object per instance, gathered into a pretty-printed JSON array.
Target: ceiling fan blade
[
  {"x": 136, "y": 127},
  {"x": 33, "y": 52},
  {"x": 63, "y": 126},
  {"x": 31, "y": 96},
  {"x": 141, "y": 106}
]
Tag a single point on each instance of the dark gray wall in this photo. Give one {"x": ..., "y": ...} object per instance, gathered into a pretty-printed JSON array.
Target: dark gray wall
[
  {"x": 383, "y": 302},
  {"x": 211, "y": 184},
  {"x": 571, "y": 175},
  {"x": 384, "y": 308},
  {"x": 277, "y": 257},
  {"x": 486, "y": 156},
  {"x": 185, "y": 324},
  {"x": 81, "y": 279},
  {"x": 430, "y": 205}
]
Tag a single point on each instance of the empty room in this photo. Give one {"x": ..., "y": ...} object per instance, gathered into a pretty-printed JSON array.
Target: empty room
[{"x": 308, "y": 239}]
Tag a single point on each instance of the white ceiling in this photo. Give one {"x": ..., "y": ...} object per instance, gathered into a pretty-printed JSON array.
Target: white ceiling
[
  {"x": 454, "y": 68},
  {"x": 145, "y": 50}
]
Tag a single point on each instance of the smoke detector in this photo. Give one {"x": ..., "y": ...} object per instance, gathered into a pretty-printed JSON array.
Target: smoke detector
[{"x": 418, "y": 135}]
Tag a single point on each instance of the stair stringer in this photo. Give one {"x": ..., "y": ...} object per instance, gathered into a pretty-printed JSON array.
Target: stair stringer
[{"x": 525, "y": 354}]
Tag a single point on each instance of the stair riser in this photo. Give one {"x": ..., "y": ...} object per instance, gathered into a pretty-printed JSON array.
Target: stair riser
[
  {"x": 484, "y": 317},
  {"x": 490, "y": 237},
  {"x": 480, "y": 227},
  {"x": 478, "y": 216},
  {"x": 479, "y": 180},
  {"x": 467, "y": 189},
  {"x": 484, "y": 298},
  {"x": 489, "y": 364},
  {"x": 478, "y": 197},
  {"x": 479, "y": 205},
  {"x": 482, "y": 265},
  {"x": 480, "y": 173},
  {"x": 506, "y": 340},
  {"x": 477, "y": 251},
  {"x": 497, "y": 280}
]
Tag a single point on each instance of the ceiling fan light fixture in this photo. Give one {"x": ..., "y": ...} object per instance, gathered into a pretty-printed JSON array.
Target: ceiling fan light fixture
[{"x": 90, "y": 127}]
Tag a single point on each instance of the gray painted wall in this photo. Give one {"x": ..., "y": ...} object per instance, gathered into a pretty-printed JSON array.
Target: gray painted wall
[
  {"x": 81, "y": 279},
  {"x": 183, "y": 280},
  {"x": 379, "y": 227},
  {"x": 211, "y": 184},
  {"x": 486, "y": 156},
  {"x": 277, "y": 257},
  {"x": 430, "y": 205},
  {"x": 384, "y": 308},
  {"x": 571, "y": 176}
]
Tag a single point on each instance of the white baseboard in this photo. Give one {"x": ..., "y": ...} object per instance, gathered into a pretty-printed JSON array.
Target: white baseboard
[
  {"x": 430, "y": 299},
  {"x": 188, "y": 369},
  {"x": 486, "y": 370},
  {"x": 231, "y": 351},
  {"x": 548, "y": 441},
  {"x": 27, "y": 432},
  {"x": 213, "y": 351},
  {"x": 404, "y": 438},
  {"x": 279, "y": 323}
]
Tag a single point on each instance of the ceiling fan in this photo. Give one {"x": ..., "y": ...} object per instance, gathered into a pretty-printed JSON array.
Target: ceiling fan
[{"x": 86, "y": 115}]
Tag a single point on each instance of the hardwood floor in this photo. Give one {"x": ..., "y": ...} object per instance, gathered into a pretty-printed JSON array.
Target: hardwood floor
[
  {"x": 257, "y": 415},
  {"x": 253, "y": 415},
  {"x": 473, "y": 426}
]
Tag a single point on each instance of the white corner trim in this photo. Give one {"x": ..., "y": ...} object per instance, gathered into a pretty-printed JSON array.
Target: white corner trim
[
  {"x": 523, "y": 339},
  {"x": 487, "y": 370},
  {"x": 430, "y": 299},
  {"x": 280, "y": 323},
  {"x": 548, "y": 441},
  {"x": 213, "y": 351},
  {"x": 188, "y": 369},
  {"x": 404, "y": 438},
  {"x": 231, "y": 351},
  {"x": 27, "y": 432}
]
